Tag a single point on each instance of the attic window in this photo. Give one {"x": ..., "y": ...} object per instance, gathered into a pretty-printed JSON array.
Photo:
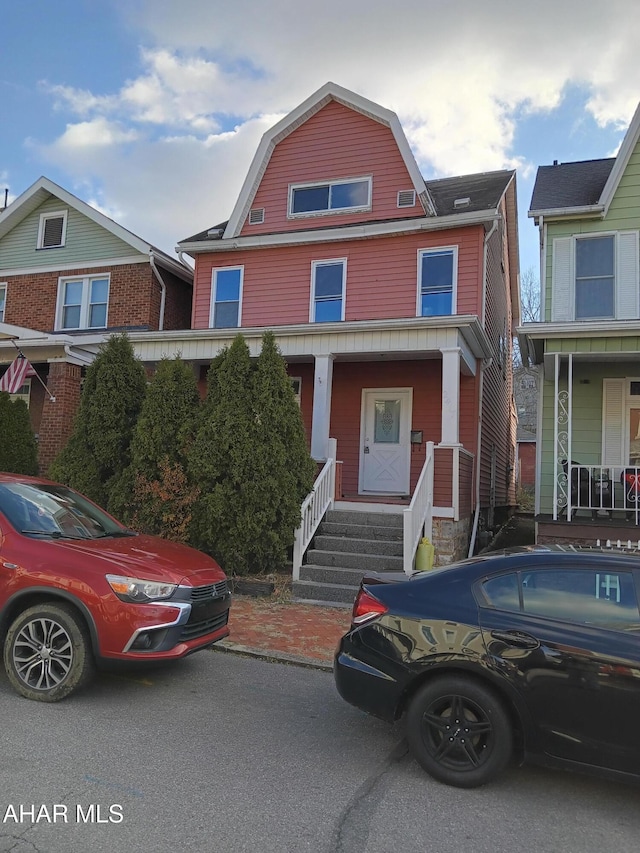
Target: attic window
[
  {"x": 52, "y": 230},
  {"x": 330, "y": 197},
  {"x": 256, "y": 216},
  {"x": 461, "y": 202},
  {"x": 406, "y": 198}
]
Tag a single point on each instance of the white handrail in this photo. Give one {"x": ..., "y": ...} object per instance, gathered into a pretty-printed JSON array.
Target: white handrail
[
  {"x": 314, "y": 506},
  {"x": 418, "y": 516}
]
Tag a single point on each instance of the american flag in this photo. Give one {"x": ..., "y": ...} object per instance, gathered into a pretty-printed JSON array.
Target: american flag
[{"x": 15, "y": 374}]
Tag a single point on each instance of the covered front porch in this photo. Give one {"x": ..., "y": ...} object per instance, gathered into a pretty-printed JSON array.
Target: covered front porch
[{"x": 589, "y": 443}]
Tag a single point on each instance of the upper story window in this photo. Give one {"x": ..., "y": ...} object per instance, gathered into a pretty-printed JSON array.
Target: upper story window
[
  {"x": 82, "y": 302},
  {"x": 328, "y": 279},
  {"x": 437, "y": 280},
  {"x": 226, "y": 297},
  {"x": 3, "y": 300},
  {"x": 52, "y": 230},
  {"x": 595, "y": 277},
  {"x": 330, "y": 197}
]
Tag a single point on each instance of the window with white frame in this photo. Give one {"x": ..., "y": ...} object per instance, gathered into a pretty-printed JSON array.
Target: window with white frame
[
  {"x": 437, "y": 279},
  {"x": 329, "y": 197},
  {"x": 226, "y": 297},
  {"x": 3, "y": 300},
  {"x": 327, "y": 290},
  {"x": 83, "y": 302},
  {"x": 595, "y": 277},
  {"x": 52, "y": 230}
]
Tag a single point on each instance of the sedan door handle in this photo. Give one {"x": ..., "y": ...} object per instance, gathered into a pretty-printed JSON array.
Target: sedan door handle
[{"x": 516, "y": 638}]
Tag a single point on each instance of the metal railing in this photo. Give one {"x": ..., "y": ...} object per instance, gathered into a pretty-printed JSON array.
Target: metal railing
[
  {"x": 418, "y": 516},
  {"x": 611, "y": 491},
  {"x": 314, "y": 506}
]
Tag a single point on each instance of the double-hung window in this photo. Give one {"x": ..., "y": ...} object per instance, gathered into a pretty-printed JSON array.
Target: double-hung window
[
  {"x": 226, "y": 297},
  {"x": 327, "y": 290},
  {"x": 52, "y": 230},
  {"x": 330, "y": 197},
  {"x": 83, "y": 302},
  {"x": 595, "y": 278},
  {"x": 3, "y": 300},
  {"x": 437, "y": 275}
]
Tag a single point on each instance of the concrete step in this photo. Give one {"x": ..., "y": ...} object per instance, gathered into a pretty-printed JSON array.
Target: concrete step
[
  {"x": 328, "y": 592},
  {"x": 331, "y": 575},
  {"x": 364, "y": 562},
  {"x": 358, "y": 546},
  {"x": 360, "y": 531},
  {"x": 373, "y": 519}
]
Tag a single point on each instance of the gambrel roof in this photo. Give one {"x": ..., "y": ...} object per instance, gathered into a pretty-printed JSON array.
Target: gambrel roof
[{"x": 583, "y": 187}]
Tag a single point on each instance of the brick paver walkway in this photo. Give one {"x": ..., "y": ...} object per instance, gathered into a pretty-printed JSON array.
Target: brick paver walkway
[{"x": 306, "y": 632}]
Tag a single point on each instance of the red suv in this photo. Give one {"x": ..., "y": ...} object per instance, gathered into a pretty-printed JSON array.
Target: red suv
[{"x": 78, "y": 588}]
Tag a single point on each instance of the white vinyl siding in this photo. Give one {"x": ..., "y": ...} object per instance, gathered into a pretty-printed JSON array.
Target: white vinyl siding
[
  {"x": 626, "y": 277},
  {"x": 613, "y": 417}
]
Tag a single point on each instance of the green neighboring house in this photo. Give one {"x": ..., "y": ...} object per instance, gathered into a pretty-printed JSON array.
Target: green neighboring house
[{"x": 587, "y": 348}]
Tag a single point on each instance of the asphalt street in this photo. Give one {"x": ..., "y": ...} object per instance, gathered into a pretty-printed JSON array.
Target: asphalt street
[{"x": 224, "y": 753}]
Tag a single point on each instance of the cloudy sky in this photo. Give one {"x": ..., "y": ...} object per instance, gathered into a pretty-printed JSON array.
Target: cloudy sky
[{"x": 151, "y": 110}]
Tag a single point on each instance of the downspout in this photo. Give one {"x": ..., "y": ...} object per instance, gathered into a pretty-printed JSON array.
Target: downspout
[
  {"x": 485, "y": 364},
  {"x": 163, "y": 291}
]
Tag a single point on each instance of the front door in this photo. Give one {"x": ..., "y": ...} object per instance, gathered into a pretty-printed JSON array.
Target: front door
[{"x": 385, "y": 446}]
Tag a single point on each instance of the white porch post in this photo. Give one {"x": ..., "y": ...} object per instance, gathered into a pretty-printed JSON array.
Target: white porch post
[
  {"x": 321, "y": 416},
  {"x": 450, "y": 395}
]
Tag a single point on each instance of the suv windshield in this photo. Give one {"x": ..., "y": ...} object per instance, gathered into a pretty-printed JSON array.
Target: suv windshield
[{"x": 38, "y": 509}]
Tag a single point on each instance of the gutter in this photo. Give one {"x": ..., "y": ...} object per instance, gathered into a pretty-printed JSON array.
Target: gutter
[
  {"x": 163, "y": 290},
  {"x": 483, "y": 366}
]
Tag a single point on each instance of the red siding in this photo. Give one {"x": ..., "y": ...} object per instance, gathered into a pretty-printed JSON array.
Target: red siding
[
  {"x": 337, "y": 142},
  {"x": 381, "y": 277}
]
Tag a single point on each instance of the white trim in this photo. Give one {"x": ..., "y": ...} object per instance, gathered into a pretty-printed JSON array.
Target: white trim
[
  {"x": 348, "y": 232},
  {"x": 3, "y": 289},
  {"x": 312, "y": 303},
  {"x": 454, "y": 278},
  {"x": 304, "y": 111},
  {"x": 622, "y": 160},
  {"x": 329, "y": 211},
  {"x": 213, "y": 301},
  {"x": 44, "y": 217},
  {"x": 83, "y": 265},
  {"x": 85, "y": 304}
]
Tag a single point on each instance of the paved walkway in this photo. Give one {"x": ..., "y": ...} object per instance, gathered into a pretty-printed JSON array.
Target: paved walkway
[{"x": 305, "y": 634}]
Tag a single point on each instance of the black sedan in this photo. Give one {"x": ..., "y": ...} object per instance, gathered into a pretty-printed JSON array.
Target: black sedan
[{"x": 531, "y": 654}]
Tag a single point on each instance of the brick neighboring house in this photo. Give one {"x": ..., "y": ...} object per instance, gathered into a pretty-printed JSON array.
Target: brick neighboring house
[
  {"x": 69, "y": 277},
  {"x": 392, "y": 299}
]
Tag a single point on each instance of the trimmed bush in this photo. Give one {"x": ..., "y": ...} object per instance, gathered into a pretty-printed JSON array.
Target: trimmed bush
[{"x": 18, "y": 447}]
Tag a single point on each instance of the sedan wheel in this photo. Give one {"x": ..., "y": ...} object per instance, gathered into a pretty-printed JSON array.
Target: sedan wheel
[
  {"x": 47, "y": 654},
  {"x": 459, "y": 732}
]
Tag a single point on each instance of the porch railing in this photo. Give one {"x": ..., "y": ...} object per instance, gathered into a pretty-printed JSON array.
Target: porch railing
[
  {"x": 418, "y": 516},
  {"x": 611, "y": 491},
  {"x": 314, "y": 506}
]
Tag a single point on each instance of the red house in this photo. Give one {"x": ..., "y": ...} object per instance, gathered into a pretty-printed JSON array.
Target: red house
[{"x": 392, "y": 300}]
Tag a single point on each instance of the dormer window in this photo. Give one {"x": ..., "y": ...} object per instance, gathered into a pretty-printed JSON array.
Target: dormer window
[
  {"x": 330, "y": 197},
  {"x": 52, "y": 230}
]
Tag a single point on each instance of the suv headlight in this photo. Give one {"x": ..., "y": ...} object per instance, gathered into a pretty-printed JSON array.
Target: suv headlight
[{"x": 138, "y": 591}]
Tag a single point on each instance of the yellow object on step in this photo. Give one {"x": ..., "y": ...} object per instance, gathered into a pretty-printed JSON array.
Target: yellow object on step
[{"x": 424, "y": 555}]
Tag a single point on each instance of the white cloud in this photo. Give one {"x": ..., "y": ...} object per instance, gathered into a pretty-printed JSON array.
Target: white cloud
[{"x": 458, "y": 73}]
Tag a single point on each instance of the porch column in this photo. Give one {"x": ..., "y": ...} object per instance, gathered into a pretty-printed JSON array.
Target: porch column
[
  {"x": 321, "y": 416},
  {"x": 450, "y": 395}
]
